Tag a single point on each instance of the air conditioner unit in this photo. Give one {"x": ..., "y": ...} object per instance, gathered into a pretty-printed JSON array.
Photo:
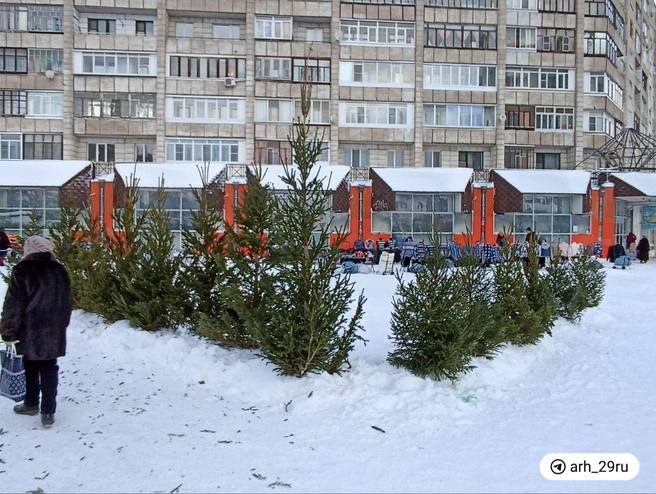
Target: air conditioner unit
[
  {"x": 50, "y": 74},
  {"x": 230, "y": 82}
]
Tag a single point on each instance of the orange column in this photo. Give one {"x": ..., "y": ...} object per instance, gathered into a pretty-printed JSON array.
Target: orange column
[
  {"x": 608, "y": 216},
  {"x": 234, "y": 192},
  {"x": 101, "y": 195},
  {"x": 490, "y": 237}
]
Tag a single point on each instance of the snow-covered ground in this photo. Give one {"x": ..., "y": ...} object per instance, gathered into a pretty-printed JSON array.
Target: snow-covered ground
[{"x": 169, "y": 412}]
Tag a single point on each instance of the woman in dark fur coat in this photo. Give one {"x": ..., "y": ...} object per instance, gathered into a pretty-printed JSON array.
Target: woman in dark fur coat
[
  {"x": 643, "y": 249},
  {"x": 36, "y": 313}
]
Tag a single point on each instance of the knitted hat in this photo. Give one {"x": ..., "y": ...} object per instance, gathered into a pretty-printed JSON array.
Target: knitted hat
[{"x": 36, "y": 244}]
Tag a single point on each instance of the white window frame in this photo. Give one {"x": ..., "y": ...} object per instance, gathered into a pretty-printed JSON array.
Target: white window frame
[
  {"x": 522, "y": 4},
  {"x": 114, "y": 57},
  {"x": 105, "y": 148},
  {"x": 49, "y": 104},
  {"x": 375, "y": 115},
  {"x": 279, "y": 65},
  {"x": 192, "y": 149},
  {"x": 11, "y": 141},
  {"x": 317, "y": 107},
  {"x": 348, "y": 73},
  {"x": 458, "y": 77},
  {"x": 612, "y": 90},
  {"x": 272, "y": 27},
  {"x": 460, "y": 116},
  {"x": 361, "y": 155},
  {"x": 192, "y": 106},
  {"x": 265, "y": 109},
  {"x": 314, "y": 34},
  {"x": 554, "y": 119},
  {"x": 527, "y": 37},
  {"x": 604, "y": 119},
  {"x": 184, "y": 29},
  {"x": 524, "y": 74},
  {"x": 396, "y": 158},
  {"x": 432, "y": 153},
  {"x": 144, "y": 147},
  {"x": 370, "y": 32}
]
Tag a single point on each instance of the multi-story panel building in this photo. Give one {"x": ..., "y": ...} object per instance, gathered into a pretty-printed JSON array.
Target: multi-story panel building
[{"x": 397, "y": 83}]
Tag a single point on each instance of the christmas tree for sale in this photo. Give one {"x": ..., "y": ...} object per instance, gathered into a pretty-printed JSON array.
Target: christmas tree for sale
[
  {"x": 148, "y": 296},
  {"x": 310, "y": 326},
  {"x": 524, "y": 308},
  {"x": 440, "y": 319},
  {"x": 570, "y": 296},
  {"x": 590, "y": 280},
  {"x": 204, "y": 273},
  {"x": 251, "y": 283}
]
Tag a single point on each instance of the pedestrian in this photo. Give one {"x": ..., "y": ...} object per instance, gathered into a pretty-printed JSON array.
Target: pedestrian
[
  {"x": 36, "y": 313},
  {"x": 643, "y": 249},
  {"x": 531, "y": 237},
  {"x": 502, "y": 240},
  {"x": 5, "y": 243},
  {"x": 630, "y": 239}
]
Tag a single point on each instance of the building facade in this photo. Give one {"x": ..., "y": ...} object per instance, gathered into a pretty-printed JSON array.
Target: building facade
[{"x": 397, "y": 83}]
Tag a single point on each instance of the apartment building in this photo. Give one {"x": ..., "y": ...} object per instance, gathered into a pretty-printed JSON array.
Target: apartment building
[{"x": 397, "y": 83}]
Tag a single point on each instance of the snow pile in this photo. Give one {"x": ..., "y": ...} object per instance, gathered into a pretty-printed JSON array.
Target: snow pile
[
  {"x": 644, "y": 182},
  {"x": 175, "y": 175},
  {"x": 547, "y": 181},
  {"x": 155, "y": 412},
  {"x": 425, "y": 179},
  {"x": 39, "y": 173}
]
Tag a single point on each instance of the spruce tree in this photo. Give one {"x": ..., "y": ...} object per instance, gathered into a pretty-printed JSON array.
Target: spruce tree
[
  {"x": 308, "y": 328},
  {"x": 149, "y": 297},
  {"x": 590, "y": 279},
  {"x": 34, "y": 226},
  {"x": 570, "y": 297},
  {"x": 251, "y": 281},
  {"x": 441, "y": 318}
]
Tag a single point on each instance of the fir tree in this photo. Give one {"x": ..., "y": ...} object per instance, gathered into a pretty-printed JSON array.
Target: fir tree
[
  {"x": 441, "y": 318},
  {"x": 251, "y": 282},
  {"x": 590, "y": 279},
  {"x": 569, "y": 295},
  {"x": 149, "y": 297},
  {"x": 308, "y": 328},
  {"x": 34, "y": 226}
]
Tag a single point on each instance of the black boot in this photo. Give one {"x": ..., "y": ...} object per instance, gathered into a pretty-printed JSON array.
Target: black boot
[
  {"x": 23, "y": 409},
  {"x": 47, "y": 419}
]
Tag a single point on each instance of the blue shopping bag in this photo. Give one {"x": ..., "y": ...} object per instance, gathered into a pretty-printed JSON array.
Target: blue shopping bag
[{"x": 12, "y": 374}]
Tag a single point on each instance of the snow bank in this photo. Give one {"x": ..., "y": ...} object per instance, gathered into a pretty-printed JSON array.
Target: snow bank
[{"x": 142, "y": 412}]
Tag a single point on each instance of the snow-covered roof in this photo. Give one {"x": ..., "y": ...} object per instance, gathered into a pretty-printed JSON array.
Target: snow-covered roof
[
  {"x": 644, "y": 182},
  {"x": 39, "y": 173},
  {"x": 425, "y": 179},
  {"x": 547, "y": 181},
  {"x": 330, "y": 175},
  {"x": 175, "y": 175}
]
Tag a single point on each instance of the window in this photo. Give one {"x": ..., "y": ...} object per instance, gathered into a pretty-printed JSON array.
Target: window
[
  {"x": 44, "y": 104},
  {"x": 179, "y": 204},
  {"x": 547, "y": 161},
  {"x": 203, "y": 150},
  {"x": 454, "y": 115},
  {"x": 13, "y": 102},
  {"x": 356, "y": 157},
  {"x": 313, "y": 69},
  {"x": 363, "y": 114},
  {"x": 184, "y": 29},
  {"x": 107, "y": 105},
  {"x": 113, "y": 63},
  {"x": 314, "y": 34},
  {"x": 606, "y": 8},
  {"x": 464, "y": 77},
  {"x": 100, "y": 152},
  {"x": 18, "y": 204},
  {"x": 540, "y": 78},
  {"x": 522, "y": 4},
  {"x": 518, "y": 157},
  {"x": 273, "y": 110},
  {"x": 378, "y": 32},
  {"x": 564, "y": 6},
  {"x": 33, "y": 18},
  {"x": 471, "y": 159},
  {"x": 273, "y": 68},
  {"x": 521, "y": 37},
  {"x": 101, "y": 26},
  {"x": 554, "y": 118},
  {"x": 226, "y": 31},
  {"x": 432, "y": 159},
  {"x": 556, "y": 40},
  {"x": 144, "y": 152},
  {"x": 46, "y": 59},
  {"x": 379, "y": 74},
  {"x": 602, "y": 83},
  {"x": 273, "y": 27},
  {"x": 601, "y": 44},
  {"x": 319, "y": 111},
  {"x": 601, "y": 122},
  {"x": 520, "y": 117},
  {"x": 13, "y": 60},
  {"x": 204, "y": 109},
  {"x": 480, "y": 37},
  {"x": 144, "y": 28},
  {"x": 395, "y": 158},
  {"x": 464, "y": 4},
  {"x": 206, "y": 67},
  {"x": 10, "y": 147},
  {"x": 42, "y": 146}
]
